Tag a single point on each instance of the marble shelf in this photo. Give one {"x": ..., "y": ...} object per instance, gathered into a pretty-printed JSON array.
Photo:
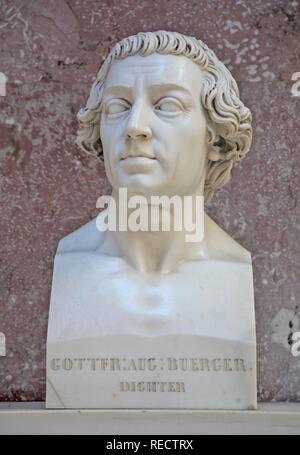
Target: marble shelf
[{"x": 33, "y": 418}]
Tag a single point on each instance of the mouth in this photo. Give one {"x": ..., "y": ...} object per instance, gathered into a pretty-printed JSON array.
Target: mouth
[
  {"x": 138, "y": 157},
  {"x": 138, "y": 163}
]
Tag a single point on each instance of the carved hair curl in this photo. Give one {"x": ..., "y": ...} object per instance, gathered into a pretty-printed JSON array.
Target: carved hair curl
[{"x": 229, "y": 131}]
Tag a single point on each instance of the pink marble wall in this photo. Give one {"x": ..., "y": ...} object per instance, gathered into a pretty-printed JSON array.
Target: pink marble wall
[{"x": 50, "y": 50}]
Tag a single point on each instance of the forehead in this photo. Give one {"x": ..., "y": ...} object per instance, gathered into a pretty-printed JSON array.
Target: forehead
[{"x": 156, "y": 69}]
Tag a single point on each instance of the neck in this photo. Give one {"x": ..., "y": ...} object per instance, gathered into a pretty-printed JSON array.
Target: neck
[{"x": 159, "y": 249}]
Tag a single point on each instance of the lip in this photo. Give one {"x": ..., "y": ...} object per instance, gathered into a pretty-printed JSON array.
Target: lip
[
  {"x": 138, "y": 157},
  {"x": 137, "y": 164}
]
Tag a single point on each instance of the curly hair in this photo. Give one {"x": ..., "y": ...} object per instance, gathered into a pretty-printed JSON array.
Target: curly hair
[{"x": 229, "y": 131}]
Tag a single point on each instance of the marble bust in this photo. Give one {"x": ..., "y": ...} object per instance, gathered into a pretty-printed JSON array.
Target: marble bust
[{"x": 143, "y": 318}]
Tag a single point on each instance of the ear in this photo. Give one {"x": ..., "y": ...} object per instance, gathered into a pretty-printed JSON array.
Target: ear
[{"x": 214, "y": 153}]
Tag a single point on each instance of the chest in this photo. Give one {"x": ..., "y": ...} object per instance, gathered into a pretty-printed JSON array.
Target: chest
[{"x": 197, "y": 298}]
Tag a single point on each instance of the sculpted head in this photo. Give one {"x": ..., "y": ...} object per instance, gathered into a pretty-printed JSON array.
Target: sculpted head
[{"x": 167, "y": 116}]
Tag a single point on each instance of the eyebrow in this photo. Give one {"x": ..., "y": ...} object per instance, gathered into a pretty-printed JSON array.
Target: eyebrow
[
  {"x": 117, "y": 88},
  {"x": 171, "y": 86},
  {"x": 159, "y": 86}
]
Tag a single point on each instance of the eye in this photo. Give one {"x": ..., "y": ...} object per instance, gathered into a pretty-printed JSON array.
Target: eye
[
  {"x": 116, "y": 107},
  {"x": 169, "y": 106}
]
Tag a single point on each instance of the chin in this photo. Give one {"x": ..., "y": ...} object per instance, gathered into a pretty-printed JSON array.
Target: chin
[{"x": 140, "y": 183}]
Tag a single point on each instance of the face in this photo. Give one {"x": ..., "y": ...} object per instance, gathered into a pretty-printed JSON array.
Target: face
[{"x": 153, "y": 127}]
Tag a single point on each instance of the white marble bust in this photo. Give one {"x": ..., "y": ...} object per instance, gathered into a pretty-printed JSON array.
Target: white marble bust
[{"x": 166, "y": 116}]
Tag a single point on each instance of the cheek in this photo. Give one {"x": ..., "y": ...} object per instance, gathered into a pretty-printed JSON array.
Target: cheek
[
  {"x": 110, "y": 143},
  {"x": 107, "y": 147},
  {"x": 192, "y": 143},
  {"x": 105, "y": 134},
  {"x": 196, "y": 137},
  {"x": 196, "y": 129},
  {"x": 107, "y": 165}
]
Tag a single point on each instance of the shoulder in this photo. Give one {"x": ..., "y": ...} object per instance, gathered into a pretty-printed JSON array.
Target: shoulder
[
  {"x": 85, "y": 238},
  {"x": 222, "y": 246}
]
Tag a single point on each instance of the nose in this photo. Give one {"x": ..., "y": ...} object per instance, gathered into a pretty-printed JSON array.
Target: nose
[{"x": 138, "y": 124}]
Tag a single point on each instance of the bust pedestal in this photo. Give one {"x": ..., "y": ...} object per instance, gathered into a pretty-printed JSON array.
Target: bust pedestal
[{"x": 118, "y": 338}]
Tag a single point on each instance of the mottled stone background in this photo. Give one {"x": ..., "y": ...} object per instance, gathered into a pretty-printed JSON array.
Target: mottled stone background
[{"x": 50, "y": 51}]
